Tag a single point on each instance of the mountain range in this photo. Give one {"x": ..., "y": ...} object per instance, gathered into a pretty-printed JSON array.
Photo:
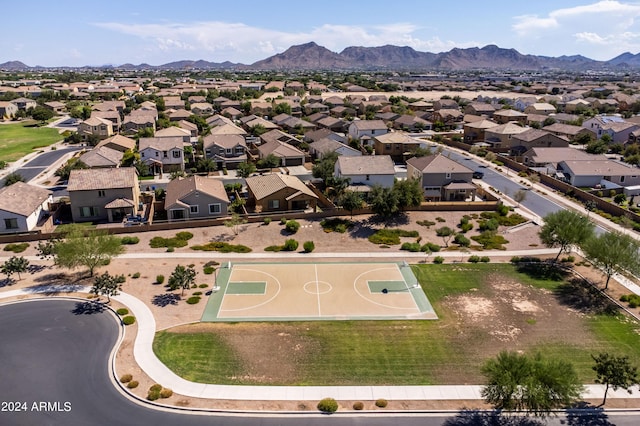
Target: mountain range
[{"x": 311, "y": 56}]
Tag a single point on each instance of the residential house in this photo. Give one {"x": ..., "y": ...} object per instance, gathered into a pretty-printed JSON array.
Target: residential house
[
  {"x": 474, "y": 132},
  {"x": 174, "y": 132},
  {"x": 366, "y": 170},
  {"x": 119, "y": 143},
  {"x": 289, "y": 155},
  {"x": 55, "y": 106},
  {"x": 279, "y": 192},
  {"x": 226, "y": 150},
  {"x": 445, "y": 104},
  {"x": 202, "y": 108},
  {"x": 577, "y": 105},
  {"x": 542, "y": 108},
  {"x": 173, "y": 102},
  {"x": 480, "y": 108},
  {"x": 102, "y": 157},
  {"x": 111, "y": 115},
  {"x": 599, "y": 172},
  {"x": 451, "y": 118},
  {"x": 98, "y": 195},
  {"x": 232, "y": 113},
  {"x": 316, "y": 135},
  {"x": 195, "y": 197},
  {"x": 7, "y": 109},
  {"x": 95, "y": 126},
  {"x": 24, "y": 103},
  {"x": 441, "y": 178},
  {"x": 178, "y": 114},
  {"x": 398, "y": 145},
  {"x": 547, "y": 159},
  {"x": 189, "y": 126},
  {"x": 162, "y": 155},
  {"x": 531, "y": 137},
  {"x": 500, "y": 136},
  {"x": 568, "y": 131},
  {"x": 23, "y": 207},
  {"x": 615, "y": 126},
  {"x": 280, "y": 136},
  {"x": 228, "y": 129},
  {"x": 505, "y": 116},
  {"x": 331, "y": 123},
  {"x": 412, "y": 123},
  {"x": 133, "y": 123},
  {"x": 365, "y": 130},
  {"x": 110, "y": 106},
  {"x": 322, "y": 147}
]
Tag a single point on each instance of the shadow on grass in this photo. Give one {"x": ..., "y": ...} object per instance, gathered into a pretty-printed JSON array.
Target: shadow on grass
[
  {"x": 579, "y": 295},
  {"x": 544, "y": 271},
  {"x": 88, "y": 308},
  {"x": 166, "y": 299},
  {"x": 490, "y": 418}
]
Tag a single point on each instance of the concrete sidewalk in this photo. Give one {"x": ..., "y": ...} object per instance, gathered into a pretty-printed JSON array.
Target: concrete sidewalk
[{"x": 158, "y": 372}]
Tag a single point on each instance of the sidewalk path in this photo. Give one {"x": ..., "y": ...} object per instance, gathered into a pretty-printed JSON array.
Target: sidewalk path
[{"x": 158, "y": 372}]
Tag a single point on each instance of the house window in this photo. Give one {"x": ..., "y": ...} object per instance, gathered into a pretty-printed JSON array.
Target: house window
[
  {"x": 215, "y": 208},
  {"x": 229, "y": 151},
  {"x": 367, "y": 177},
  {"x": 387, "y": 147},
  {"x": 193, "y": 209},
  {"x": 621, "y": 179},
  {"x": 11, "y": 223},
  {"x": 274, "y": 204},
  {"x": 373, "y": 132},
  {"x": 164, "y": 154},
  {"x": 176, "y": 154},
  {"x": 447, "y": 175},
  {"x": 142, "y": 154},
  {"x": 101, "y": 193},
  {"x": 157, "y": 153},
  {"x": 239, "y": 150},
  {"x": 207, "y": 152},
  {"x": 88, "y": 211}
]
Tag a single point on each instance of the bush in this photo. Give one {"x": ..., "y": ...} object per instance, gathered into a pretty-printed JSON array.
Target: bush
[
  {"x": 128, "y": 320},
  {"x": 166, "y": 393},
  {"x": 308, "y": 246},
  {"x": 290, "y": 245},
  {"x": 16, "y": 247},
  {"x": 358, "y": 406},
  {"x": 336, "y": 225},
  {"x": 485, "y": 259},
  {"x": 490, "y": 240},
  {"x": 122, "y": 311},
  {"x": 132, "y": 384},
  {"x": 381, "y": 403},
  {"x": 126, "y": 378},
  {"x": 273, "y": 248},
  {"x": 208, "y": 270},
  {"x": 438, "y": 260},
  {"x": 159, "y": 279},
  {"x": 440, "y": 219},
  {"x": 474, "y": 259},
  {"x": 328, "y": 405},
  {"x": 155, "y": 388},
  {"x": 568, "y": 259},
  {"x": 184, "y": 235},
  {"x": 129, "y": 240},
  {"x": 266, "y": 220},
  {"x": 203, "y": 285},
  {"x": 391, "y": 236},
  {"x": 434, "y": 248},
  {"x": 283, "y": 221},
  {"x": 461, "y": 240},
  {"x": 171, "y": 249},
  {"x": 292, "y": 226},
  {"x": 193, "y": 300},
  {"x": 136, "y": 275},
  {"x": 180, "y": 240},
  {"x": 412, "y": 247},
  {"x": 196, "y": 293},
  {"x": 153, "y": 395},
  {"x": 222, "y": 247},
  {"x": 426, "y": 223}
]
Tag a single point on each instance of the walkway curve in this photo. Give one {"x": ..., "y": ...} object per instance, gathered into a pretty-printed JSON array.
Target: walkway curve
[{"x": 160, "y": 373}]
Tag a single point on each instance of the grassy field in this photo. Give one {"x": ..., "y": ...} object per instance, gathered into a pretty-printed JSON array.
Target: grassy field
[
  {"x": 446, "y": 351},
  {"x": 19, "y": 139}
]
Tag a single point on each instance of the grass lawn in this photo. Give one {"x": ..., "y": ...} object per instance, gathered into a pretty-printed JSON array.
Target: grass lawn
[
  {"x": 19, "y": 139},
  {"x": 446, "y": 351}
]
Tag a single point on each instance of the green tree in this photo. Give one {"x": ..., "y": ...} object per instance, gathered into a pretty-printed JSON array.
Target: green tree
[
  {"x": 324, "y": 168},
  {"x": 64, "y": 171},
  {"x": 15, "y": 264},
  {"x": 409, "y": 193},
  {"x": 235, "y": 222},
  {"x": 12, "y": 178},
  {"x": 613, "y": 252},
  {"x": 614, "y": 372},
  {"x": 519, "y": 196},
  {"x": 383, "y": 201},
  {"x": 350, "y": 200},
  {"x": 42, "y": 114},
  {"x": 597, "y": 147},
  {"x": 182, "y": 277},
  {"x": 90, "y": 249},
  {"x": 107, "y": 285},
  {"x": 282, "y": 108},
  {"x": 445, "y": 233},
  {"x": 565, "y": 229},
  {"x": 206, "y": 165},
  {"x": 536, "y": 385},
  {"x": 245, "y": 169},
  {"x": 269, "y": 162}
]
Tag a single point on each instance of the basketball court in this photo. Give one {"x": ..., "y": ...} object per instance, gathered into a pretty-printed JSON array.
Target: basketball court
[{"x": 316, "y": 291}]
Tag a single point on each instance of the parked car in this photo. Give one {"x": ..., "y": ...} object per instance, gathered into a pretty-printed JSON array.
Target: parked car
[{"x": 478, "y": 174}]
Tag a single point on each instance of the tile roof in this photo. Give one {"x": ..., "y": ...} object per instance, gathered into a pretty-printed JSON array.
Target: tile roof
[
  {"x": 280, "y": 149},
  {"x": 178, "y": 189},
  {"x": 369, "y": 124},
  {"x": 22, "y": 198},
  {"x": 119, "y": 140},
  {"x": 92, "y": 179},
  {"x": 265, "y": 185},
  {"x": 601, "y": 167},
  {"x": 161, "y": 144},
  {"x": 224, "y": 141},
  {"x": 366, "y": 165},
  {"x": 102, "y": 157},
  {"x": 437, "y": 163}
]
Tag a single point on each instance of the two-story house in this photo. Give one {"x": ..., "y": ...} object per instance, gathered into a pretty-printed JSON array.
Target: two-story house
[
  {"x": 365, "y": 130},
  {"x": 226, "y": 150},
  {"x": 96, "y": 126},
  {"x": 22, "y": 207},
  {"x": 367, "y": 170},
  {"x": 279, "y": 192},
  {"x": 162, "y": 155},
  {"x": 195, "y": 197},
  {"x": 441, "y": 178}
]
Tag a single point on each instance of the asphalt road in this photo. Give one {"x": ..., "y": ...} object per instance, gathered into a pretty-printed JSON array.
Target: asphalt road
[{"x": 40, "y": 163}]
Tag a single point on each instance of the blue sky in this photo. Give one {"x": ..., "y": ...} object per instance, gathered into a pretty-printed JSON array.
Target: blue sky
[{"x": 115, "y": 32}]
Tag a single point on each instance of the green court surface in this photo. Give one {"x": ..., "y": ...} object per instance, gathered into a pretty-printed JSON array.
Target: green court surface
[
  {"x": 247, "y": 287},
  {"x": 379, "y": 286}
]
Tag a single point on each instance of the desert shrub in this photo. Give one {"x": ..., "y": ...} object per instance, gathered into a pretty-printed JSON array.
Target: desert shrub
[
  {"x": 358, "y": 406},
  {"x": 440, "y": 219},
  {"x": 624, "y": 298},
  {"x": 155, "y": 388},
  {"x": 488, "y": 225},
  {"x": 568, "y": 259},
  {"x": 336, "y": 225},
  {"x": 430, "y": 247},
  {"x": 502, "y": 210},
  {"x": 461, "y": 240},
  {"x": 474, "y": 259},
  {"x": 128, "y": 320},
  {"x": 16, "y": 247},
  {"x": 485, "y": 259},
  {"x": 166, "y": 393},
  {"x": 413, "y": 247},
  {"x": 153, "y": 395},
  {"x": 136, "y": 275},
  {"x": 159, "y": 279},
  {"x": 193, "y": 300},
  {"x": 184, "y": 235},
  {"x": 438, "y": 260},
  {"x": 273, "y": 248},
  {"x": 129, "y": 240},
  {"x": 292, "y": 226},
  {"x": 222, "y": 247},
  {"x": 290, "y": 245},
  {"x": 283, "y": 221},
  {"x": 203, "y": 285},
  {"x": 171, "y": 249},
  {"x": 466, "y": 227},
  {"x": 381, "y": 403},
  {"x": 426, "y": 223},
  {"x": 126, "y": 378},
  {"x": 328, "y": 405},
  {"x": 490, "y": 240},
  {"x": 180, "y": 240},
  {"x": 122, "y": 311},
  {"x": 266, "y": 220},
  {"x": 308, "y": 246},
  {"x": 633, "y": 300},
  {"x": 208, "y": 270},
  {"x": 132, "y": 384},
  {"x": 391, "y": 236}
]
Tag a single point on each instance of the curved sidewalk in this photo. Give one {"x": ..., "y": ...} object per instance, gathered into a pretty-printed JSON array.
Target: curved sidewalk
[{"x": 158, "y": 372}]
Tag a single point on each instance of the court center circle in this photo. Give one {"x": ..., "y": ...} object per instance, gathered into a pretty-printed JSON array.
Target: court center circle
[{"x": 317, "y": 287}]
